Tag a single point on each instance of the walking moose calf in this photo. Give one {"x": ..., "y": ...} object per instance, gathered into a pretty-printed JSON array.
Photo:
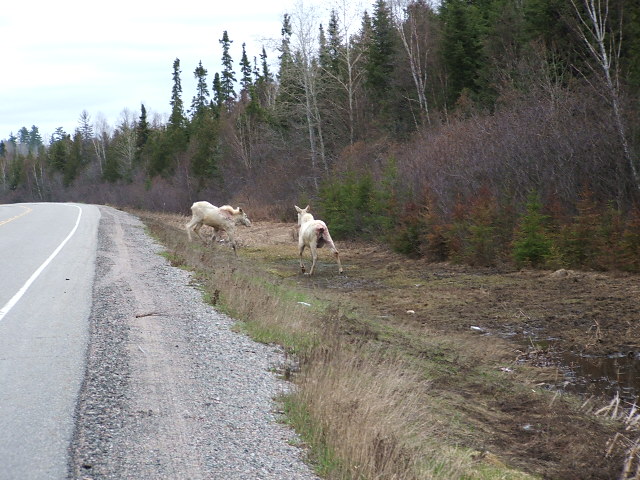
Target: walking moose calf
[
  {"x": 221, "y": 219},
  {"x": 313, "y": 234}
]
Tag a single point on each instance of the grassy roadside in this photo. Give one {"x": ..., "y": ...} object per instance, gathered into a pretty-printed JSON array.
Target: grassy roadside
[{"x": 381, "y": 397}]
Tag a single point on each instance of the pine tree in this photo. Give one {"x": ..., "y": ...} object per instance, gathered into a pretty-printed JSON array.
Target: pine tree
[
  {"x": 177, "y": 118},
  {"x": 228, "y": 77}
]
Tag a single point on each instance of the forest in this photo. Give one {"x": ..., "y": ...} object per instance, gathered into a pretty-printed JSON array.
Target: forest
[{"x": 485, "y": 132}]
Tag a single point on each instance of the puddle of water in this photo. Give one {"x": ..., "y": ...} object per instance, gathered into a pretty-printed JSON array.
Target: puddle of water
[
  {"x": 617, "y": 373},
  {"x": 588, "y": 374}
]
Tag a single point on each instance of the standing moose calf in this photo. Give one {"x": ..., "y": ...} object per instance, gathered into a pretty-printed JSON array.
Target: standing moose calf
[{"x": 313, "y": 234}]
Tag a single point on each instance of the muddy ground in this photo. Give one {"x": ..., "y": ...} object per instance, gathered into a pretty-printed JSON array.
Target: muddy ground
[
  {"x": 550, "y": 320},
  {"x": 589, "y": 313}
]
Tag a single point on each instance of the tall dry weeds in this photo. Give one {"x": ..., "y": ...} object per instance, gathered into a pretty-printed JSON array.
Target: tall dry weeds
[{"x": 372, "y": 411}]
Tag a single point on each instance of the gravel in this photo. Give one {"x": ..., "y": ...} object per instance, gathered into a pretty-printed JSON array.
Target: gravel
[{"x": 170, "y": 391}]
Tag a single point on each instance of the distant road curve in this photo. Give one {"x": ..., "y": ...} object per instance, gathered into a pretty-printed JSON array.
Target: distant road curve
[{"x": 47, "y": 261}]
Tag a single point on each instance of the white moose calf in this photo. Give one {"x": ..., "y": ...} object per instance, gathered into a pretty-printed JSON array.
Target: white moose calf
[
  {"x": 313, "y": 234},
  {"x": 221, "y": 219}
]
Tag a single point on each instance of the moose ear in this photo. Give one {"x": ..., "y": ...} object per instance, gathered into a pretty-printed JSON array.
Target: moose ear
[
  {"x": 298, "y": 209},
  {"x": 307, "y": 209},
  {"x": 240, "y": 208}
]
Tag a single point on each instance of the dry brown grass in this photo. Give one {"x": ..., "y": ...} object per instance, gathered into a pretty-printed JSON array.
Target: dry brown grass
[{"x": 380, "y": 396}]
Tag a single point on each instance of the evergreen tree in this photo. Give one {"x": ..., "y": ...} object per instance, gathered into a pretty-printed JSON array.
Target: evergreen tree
[
  {"x": 323, "y": 50},
  {"x": 74, "y": 159},
  {"x": 335, "y": 46},
  {"x": 462, "y": 52},
  {"x": 266, "y": 73},
  {"x": 142, "y": 133},
  {"x": 58, "y": 134},
  {"x": 217, "y": 90},
  {"x": 201, "y": 99},
  {"x": 35, "y": 139},
  {"x": 381, "y": 56},
  {"x": 23, "y": 136},
  {"x": 263, "y": 89},
  {"x": 58, "y": 153},
  {"x": 177, "y": 118},
  {"x": 84, "y": 126},
  {"x": 228, "y": 76},
  {"x": 532, "y": 244},
  {"x": 285, "y": 73},
  {"x": 288, "y": 80},
  {"x": 204, "y": 146},
  {"x": 246, "y": 81}
]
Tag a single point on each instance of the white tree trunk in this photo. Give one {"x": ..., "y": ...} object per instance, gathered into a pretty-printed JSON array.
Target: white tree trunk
[{"x": 605, "y": 50}]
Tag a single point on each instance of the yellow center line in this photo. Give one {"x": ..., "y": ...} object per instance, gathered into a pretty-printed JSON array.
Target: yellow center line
[{"x": 17, "y": 216}]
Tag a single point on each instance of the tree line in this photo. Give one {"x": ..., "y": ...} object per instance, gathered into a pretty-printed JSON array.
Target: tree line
[{"x": 449, "y": 129}]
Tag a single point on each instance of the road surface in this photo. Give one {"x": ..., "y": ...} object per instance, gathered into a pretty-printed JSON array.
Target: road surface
[
  {"x": 112, "y": 367},
  {"x": 47, "y": 258}
]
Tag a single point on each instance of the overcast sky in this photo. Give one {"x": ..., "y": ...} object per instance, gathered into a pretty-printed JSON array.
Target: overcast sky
[{"x": 60, "y": 58}]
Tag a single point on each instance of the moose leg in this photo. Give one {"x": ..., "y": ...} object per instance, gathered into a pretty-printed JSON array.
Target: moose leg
[
  {"x": 301, "y": 249},
  {"x": 335, "y": 252},
  {"x": 333, "y": 248},
  {"x": 197, "y": 231},
  {"x": 314, "y": 257},
  {"x": 190, "y": 226},
  {"x": 232, "y": 240}
]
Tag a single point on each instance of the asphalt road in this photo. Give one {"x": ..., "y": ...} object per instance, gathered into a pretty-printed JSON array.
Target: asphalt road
[{"x": 47, "y": 261}]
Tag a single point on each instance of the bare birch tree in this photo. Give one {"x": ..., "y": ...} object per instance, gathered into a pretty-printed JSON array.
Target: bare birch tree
[
  {"x": 100, "y": 140},
  {"x": 351, "y": 58},
  {"x": 125, "y": 139},
  {"x": 604, "y": 46},
  {"x": 305, "y": 47},
  {"x": 408, "y": 17}
]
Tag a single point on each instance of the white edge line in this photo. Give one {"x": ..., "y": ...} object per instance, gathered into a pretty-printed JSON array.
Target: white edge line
[{"x": 16, "y": 298}]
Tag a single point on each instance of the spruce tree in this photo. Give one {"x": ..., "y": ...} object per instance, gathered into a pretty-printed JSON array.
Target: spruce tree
[
  {"x": 335, "y": 45},
  {"x": 142, "y": 133},
  {"x": 246, "y": 81},
  {"x": 228, "y": 76},
  {"x": 462, "y": 51},
  {"x": 380, "y": 59},
  {"x": 201, "y": 98},
  {"x": 23, "y": 136},
  {"x": 177, "y": 118},
  {"x": 35, "y": 139},
  {"x": 217, "y": 91},
  {"x": 85, "y": 128},
  {"x": 285, "y": 72},
  {"x": 266, "y": 73}
]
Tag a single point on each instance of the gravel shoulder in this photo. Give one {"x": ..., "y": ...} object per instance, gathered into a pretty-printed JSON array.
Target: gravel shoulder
[{"x": 170, "y": 391}]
